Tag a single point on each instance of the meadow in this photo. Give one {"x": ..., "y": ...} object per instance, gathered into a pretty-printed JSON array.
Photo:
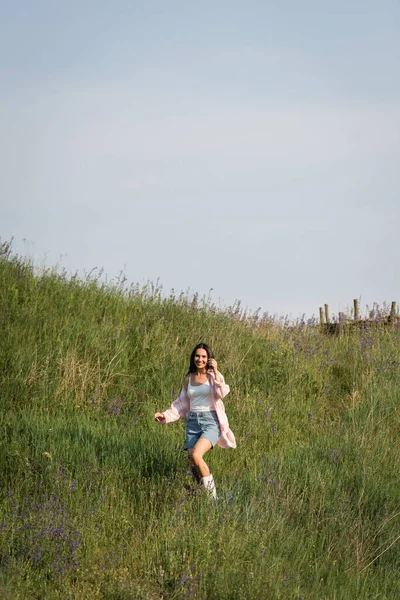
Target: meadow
[{"x": 97, "y": 500}]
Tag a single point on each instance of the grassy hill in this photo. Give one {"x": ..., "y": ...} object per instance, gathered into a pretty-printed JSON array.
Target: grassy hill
[{"x": 96, "y": 499}]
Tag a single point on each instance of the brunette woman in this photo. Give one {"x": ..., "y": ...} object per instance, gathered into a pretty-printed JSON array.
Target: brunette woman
[{"x": 200, "y": 402}]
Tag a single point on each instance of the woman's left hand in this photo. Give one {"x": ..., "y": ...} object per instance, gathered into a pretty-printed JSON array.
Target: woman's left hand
[{"x": 212, "y": 364}]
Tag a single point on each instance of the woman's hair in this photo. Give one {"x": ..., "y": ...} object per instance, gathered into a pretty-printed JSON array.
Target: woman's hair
[{"x": 210, "y": 354}]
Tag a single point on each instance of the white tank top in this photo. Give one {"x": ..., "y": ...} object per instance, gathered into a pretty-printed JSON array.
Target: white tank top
[{"x": 200, "y": 396}]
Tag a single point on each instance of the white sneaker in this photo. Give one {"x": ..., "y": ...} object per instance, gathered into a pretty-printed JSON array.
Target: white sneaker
[{"x": 209, "y": 485}]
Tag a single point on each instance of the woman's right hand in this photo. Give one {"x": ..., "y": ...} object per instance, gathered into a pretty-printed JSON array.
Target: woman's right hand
[{"x": 160, "y": 418}]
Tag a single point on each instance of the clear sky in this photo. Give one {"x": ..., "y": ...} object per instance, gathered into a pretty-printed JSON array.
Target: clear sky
[{"x": 248, "y": 148}]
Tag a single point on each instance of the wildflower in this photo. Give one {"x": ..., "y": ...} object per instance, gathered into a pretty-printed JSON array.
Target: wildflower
[
  {"x": 115, "y": 406},
  {"x": 335, "y": 454}
]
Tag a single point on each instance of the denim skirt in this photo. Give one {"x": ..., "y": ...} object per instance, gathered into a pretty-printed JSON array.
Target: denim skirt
[{"x": 202, "y": 425}]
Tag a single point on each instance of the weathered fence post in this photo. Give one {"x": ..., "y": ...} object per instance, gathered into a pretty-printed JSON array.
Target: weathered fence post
[
  {"x": 327, "y": 319},
  {"x": 321, "y": 315},
  {"x": 355, "y": 301},
  {"x": 393, "y": 311}
]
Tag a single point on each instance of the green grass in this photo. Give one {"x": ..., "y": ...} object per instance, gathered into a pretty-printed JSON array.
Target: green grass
[{"x": 96, "y": 500}]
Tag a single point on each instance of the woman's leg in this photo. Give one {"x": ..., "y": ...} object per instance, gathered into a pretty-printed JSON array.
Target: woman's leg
[
  {"x": 193, "y": 468},
  {"x": 200, "y": 466},
  {"x": 196, "y": 456}
]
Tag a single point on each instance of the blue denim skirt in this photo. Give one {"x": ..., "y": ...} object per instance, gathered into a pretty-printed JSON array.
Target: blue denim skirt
[{"x": 202, "y": 425}]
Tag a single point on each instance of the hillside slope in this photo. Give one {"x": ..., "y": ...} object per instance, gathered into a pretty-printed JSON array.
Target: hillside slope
[{"x": 96, "y": 500}]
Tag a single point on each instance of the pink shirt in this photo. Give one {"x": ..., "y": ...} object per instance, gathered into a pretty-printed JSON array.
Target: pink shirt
[{"x": 220, "y": 389}]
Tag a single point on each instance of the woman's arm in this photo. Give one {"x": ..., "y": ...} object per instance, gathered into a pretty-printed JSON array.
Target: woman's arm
[
  {"x": 177, "y": 408},
  {"x": 222, "y": 389},
  {"x": 213, "y": 367}
]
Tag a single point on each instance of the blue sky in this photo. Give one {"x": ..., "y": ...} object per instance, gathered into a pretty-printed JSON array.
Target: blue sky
[{"x": 250, "y": 149}]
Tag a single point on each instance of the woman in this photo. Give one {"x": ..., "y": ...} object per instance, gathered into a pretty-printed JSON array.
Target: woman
[{"x": 200, "y": 402}]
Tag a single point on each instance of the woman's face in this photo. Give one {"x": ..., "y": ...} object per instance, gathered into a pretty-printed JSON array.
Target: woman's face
[{"x": 201, "y": 358}]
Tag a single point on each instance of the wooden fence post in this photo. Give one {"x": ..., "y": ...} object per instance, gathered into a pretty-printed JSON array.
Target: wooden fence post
[
  {"x": 393, "y": 312},
  {"x": 321, "y": 315},
  {"x": 327, "y": 319},
  {"x": 355, "y": 301}
]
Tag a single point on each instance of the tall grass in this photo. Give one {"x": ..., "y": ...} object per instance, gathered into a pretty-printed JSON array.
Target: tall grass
[{"x": 96, "y": 499}]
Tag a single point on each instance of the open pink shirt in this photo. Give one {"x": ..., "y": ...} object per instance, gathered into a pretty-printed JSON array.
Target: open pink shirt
[{"x": 181, "y": 407}]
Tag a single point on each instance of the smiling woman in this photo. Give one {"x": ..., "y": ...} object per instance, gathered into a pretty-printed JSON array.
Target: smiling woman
[{"x": 200, "y": 403}]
